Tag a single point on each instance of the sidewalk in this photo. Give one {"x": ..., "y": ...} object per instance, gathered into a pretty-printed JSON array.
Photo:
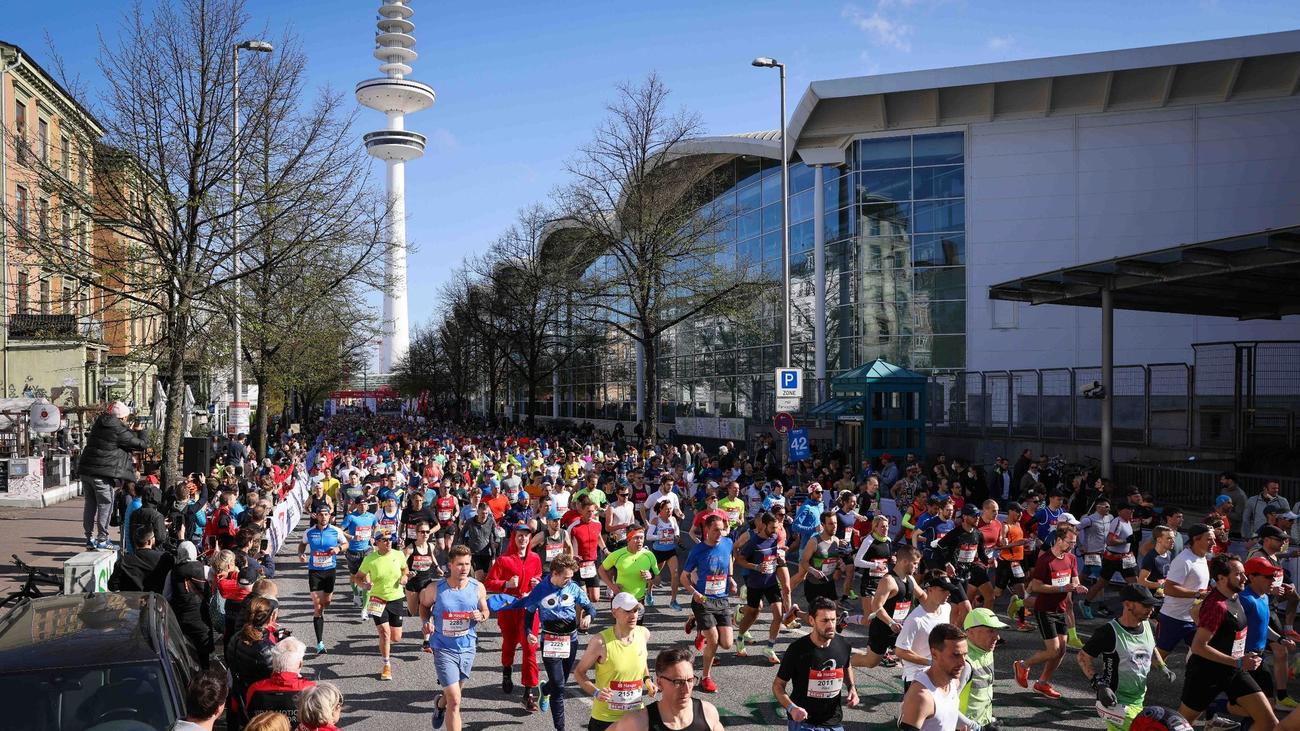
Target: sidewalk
[{"x": 43, "y": 537}]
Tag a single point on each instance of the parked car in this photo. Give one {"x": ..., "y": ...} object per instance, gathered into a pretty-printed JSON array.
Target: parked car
[{"x": 93, "y": 662}]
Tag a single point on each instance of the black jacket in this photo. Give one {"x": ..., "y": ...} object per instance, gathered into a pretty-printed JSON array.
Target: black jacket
[
  {"x": 150, "y": 515},
  {"x": 108, "y": 450},
  {"x": 249, "y": 662},
  {"x": 192, "y": 613},
  {"x": 145, "y": 569}
]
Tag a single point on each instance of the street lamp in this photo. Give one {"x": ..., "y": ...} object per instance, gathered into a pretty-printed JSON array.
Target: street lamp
[
  {"x": 259, "y": 47},
  {"x": 767, "y": 63}
]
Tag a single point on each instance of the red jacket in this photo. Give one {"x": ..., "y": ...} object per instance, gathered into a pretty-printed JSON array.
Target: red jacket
[
  {"x": 278, "y": 687},
  {"x": 528, "y": 569}
]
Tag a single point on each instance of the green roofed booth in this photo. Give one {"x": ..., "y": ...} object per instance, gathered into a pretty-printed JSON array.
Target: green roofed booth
[{"x": 877, "y": 408}]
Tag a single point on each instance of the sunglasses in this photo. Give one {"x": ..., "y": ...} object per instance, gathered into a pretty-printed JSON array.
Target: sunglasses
[{"x": 681, "y": 683}]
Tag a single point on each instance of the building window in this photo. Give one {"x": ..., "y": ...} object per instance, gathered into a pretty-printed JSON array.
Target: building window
[
  {"x": 43, "y": 139},
  {"x": 83, "y": 230},
  {"x": 45, "y": 294},
  {"x": 23, "y": 286},
  {"x": 81, "y": 166},
  {"x": 43, "y": 218},
  {"x": 67, "y": 291},
  {"x": 1006, "y": 315},
  {"x": 20, "y": 127},
  {"x": 65, "y": 229},
  {"x": 20, "y": 210},
  {"x": 65, "y": 157}
]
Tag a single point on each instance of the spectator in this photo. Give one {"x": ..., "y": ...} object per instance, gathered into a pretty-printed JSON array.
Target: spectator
[
  {"x": 150, "y": 514},
  {"x": 888, "y": 471},
  {"x": 191, "y": 601},
  {"x": 279, "y": 693},
  {"x": 1254, "y": 515},
  {"x": 268, "y": 721},
  {"x": 146, "y": 569},
  {"x": 248, "y": 654},
  {"x": 205, "y": 701},
  {"x": 319, "y": 708},
  {"x": 1228, "y": 486},
  {"x": 104, "y": 464}
]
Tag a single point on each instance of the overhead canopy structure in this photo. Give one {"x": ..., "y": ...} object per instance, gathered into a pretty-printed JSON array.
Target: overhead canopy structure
[{"x": 1249, "y": 277}]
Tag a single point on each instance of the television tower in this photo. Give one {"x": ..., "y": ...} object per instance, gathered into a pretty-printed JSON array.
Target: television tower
[{"x": 396, "y": 96}]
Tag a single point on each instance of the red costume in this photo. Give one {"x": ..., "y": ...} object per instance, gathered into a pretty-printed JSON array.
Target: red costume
[{"x": 513, "y": 633}]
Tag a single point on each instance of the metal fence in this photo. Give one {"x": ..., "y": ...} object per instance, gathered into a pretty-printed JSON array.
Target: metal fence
[
  {"x": 1153, "y": 404},
  {"x": 1192, "y": 487}
]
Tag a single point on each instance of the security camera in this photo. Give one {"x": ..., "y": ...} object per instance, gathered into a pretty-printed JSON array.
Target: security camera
[{"x": 1094, "y": 390}]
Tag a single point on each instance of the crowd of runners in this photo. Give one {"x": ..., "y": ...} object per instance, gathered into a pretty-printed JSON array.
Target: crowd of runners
[{"x": 561, "y": 540}]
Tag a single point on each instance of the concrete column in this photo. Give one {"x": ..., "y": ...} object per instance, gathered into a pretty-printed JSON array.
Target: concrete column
[
  {"x": 555, "y": 393},
  {"x": 1107, "y": 379},
  {"x": 819, "y": 280},
  {"x": 640, "y": 383}
]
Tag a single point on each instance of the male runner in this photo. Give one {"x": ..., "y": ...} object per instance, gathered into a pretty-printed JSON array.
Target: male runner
[
  {"x": 762, "y": 552},
  {"x": 455, "y": 605},
  {"x": 931, "y": 701},
  {"x": 896, "y": 593},
  {"x": 1054, "y": 580},
  {"x": 516, "y": 573},
  {"x": 618, "y": 656},
  {"x": 981, "y": 627},
  {"x": 586, "y": 543},
  {"x": 324, "y": 541},
  {"x": 818, "y": 669},
  {"x": 675, "y": 710},
  {"x": 960, "y": 549},
  {"x": 1126, "y": 646},
  {"x": 1186, "y": 582},
  {"x": 359, "y": 527},
  {"x": 383, "y": 572},
  {"x": 631, "y": 567},
  {"x": 708, "y": 574}
]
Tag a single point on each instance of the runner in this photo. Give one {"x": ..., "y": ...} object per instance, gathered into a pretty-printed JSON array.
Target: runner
[
  {"x": 586, "y": 544},
  {"x": 383, "y": 572},
  {"x": 479, "y": 534},
  {"x": 982, "y": 636},
  {"x": 1126, "y": 647},
  {"x": 708, "y": 573},
  {"x": 662, "y": 537},
  {"x": 1010, "y": 573},
  {"x": 962, "y": 551},
  {"x": 632, "y": 566},
  {"x": 413, "y": 514},
  {"x": 455, "y": 606},
  {"x": 912, "y": 645},
  {"x": 734, "y": 506},
  {"x": 551, "y": 542},
  {"x": 890, "y": 604},
  {"x": 389, "y": 518},
  {"x": 761, "y": 551},
  {"x": 1119, "y": 557},
  {"x": 618, "y": 656},
  {"x": 516, "y": 573},
  {"x": 1264, "y": 637},
  {"x": 675, "y": 710},
  {"x": 421, "y": 566},
  {"x": 931, "y": 702},
  {"x": 1219, "y": 662},
  {"x": 819, "y": 566},
  {"x": 873, "y": 557},
  {"x": 446, "y": 510},
  {"x": 817, "y": 669},
  {"x": 1054, "y": 580},
  {"x": 359, "y": 527},
  {"x": 1093, "y": 530},
  {"x": 324, "y": 541},
  {"x": 619, "y": 516},
  {"x": 1187, "y": 582},
  {"x": 980, "y": 588}
]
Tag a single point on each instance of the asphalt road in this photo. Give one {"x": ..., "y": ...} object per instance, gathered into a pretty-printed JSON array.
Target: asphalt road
[{"x": 744, "y": 697}]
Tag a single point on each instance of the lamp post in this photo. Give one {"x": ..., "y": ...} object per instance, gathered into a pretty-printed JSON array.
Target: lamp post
[
  {"x": 765, "y": 62},
  {"x": 238, "y": 376}
]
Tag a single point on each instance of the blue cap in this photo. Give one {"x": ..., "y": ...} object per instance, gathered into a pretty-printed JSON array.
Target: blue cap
[
  {"x": 522, "y": 496},
  {"x": 1220, "y": 500},
  {"x": 520, "y": 526},
  {"x": 553, "y": 514}
]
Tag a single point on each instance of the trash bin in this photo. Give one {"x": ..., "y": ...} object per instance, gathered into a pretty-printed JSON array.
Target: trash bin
[{"x": 88, "y": 572}]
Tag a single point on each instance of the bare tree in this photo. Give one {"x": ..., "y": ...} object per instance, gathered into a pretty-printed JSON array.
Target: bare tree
[{"x": 655, "y": 242}]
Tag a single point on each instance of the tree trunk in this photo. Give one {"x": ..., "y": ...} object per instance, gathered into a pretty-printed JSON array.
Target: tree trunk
[
  {"x": 649, "y": 349},
  {"x": 171, "y": 447}
]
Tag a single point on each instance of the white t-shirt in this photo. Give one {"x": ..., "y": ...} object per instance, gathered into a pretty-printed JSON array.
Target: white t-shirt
[
  {"x": 1191, "y": 572},
  {"x": 657, "y": 496},
  {"x": 915, "y": 635},
  {"x": 561, "y": 500}
]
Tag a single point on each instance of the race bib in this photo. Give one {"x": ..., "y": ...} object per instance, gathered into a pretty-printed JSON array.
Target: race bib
[
  {"x": 363, "y": 533},
  {"x": 625, "y": 695},
  {"x": 456, "y": 624},
  {"x": 1017, "y": 571},
  {"x": 966, "y": 555},
  {"x": 321, "y": 559},
  {"x": 1060, "y": 578},
  {"x": 768, "y": 565},
  {"x": 410, "y": 531},
  {"x": 900, "y": 611},
  {"x": 1239, "y": 644},
  {"x": 825, "y": 684},
  {"x": 733, "y": 516},
  {"x": 667, "y": 536},
  {"x": 375, "y": 606},
  {"x": 556, "y": 646},
  {"x": 829, "y": 565},
  {"x": 421, "y": 563},
  {"x": 501, "y": 532},
  {"x": 553, "y": 550},
  {"x": 587, "y": 570},
  {"x": 444, "y": 516},
  {"x": 715, "y": 584},
  {"x": 878, "y": 568},
  {"x": 1092, "y": 559},
  {"x": 1129, "y": 561}
]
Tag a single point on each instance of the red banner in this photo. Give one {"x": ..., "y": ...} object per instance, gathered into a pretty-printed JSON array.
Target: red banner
[{"x": 381, "y": 392}]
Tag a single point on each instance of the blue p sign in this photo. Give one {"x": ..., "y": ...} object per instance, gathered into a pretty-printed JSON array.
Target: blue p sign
[{"x": 790, "y": 379}]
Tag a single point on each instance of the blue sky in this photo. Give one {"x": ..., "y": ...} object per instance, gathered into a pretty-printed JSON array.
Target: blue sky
[{"x": 521, "y": 85}]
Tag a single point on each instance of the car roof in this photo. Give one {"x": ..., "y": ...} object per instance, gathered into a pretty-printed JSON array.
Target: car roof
[{"x": 80, "y": 630}]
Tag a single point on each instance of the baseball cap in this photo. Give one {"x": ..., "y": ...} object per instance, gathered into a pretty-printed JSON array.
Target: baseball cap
[
  {"x": 1288, "y": 515},
  {"x": 1273, "y": 509},
  {"x": 520, "y": 526},
  {"x": 1222, "y": 500},
  {"x": 1260, "y": 566},
  {"x": 886, "y": 457},
  {"x": 1271, "y": 531},
  {"x": 970, "y": 510},
  {"x": 939, "y": 583},
  {"x": 626, "y": 602},
  {"x": 983, "y": 617},
  {"x": 522, "y": 497},
  {"x": 552, "y": 514},
  {"x": 1067, "y": 518},
  {"x": 1137, "y": 593}
]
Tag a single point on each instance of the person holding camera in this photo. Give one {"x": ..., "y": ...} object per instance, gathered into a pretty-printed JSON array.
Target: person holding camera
[{"x": 104, "y": 465}]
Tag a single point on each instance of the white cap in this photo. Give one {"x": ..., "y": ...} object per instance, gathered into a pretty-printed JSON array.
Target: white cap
[
  {"x": 625, "y": 601},
  {"x": 119, "y": 409},
  {"x": 1067, "y": 518}
]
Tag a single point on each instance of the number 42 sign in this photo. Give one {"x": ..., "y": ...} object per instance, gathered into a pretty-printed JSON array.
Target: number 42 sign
[{"x": 799, "y": 448}]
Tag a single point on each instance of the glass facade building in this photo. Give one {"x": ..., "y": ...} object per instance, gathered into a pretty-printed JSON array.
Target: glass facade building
[{"x": 894, "y": 222}]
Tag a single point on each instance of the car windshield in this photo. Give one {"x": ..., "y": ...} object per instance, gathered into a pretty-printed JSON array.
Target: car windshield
[{"x": 114, "y": 698}]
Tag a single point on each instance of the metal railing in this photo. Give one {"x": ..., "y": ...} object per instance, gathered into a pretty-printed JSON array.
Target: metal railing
[{"x": 1194, "y": 487}]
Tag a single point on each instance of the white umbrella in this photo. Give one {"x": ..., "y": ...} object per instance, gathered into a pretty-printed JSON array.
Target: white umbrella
[
  {"x": 187, "y": 420},
  {"x": 159, "y": 405}
]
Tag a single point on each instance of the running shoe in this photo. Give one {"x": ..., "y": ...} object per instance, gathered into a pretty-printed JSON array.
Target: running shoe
[
  {"x": 1103, "y": 611},
  {"x": 1046, "y": 689},
  {"x": 889, "y": 661},
  {"x": 673, "y": 605},
  {"x": 364, "y": 616},
  {"x": 530, "y": 700},
  {"x": 740, "y": 647},
  {"x": 699, "y": 642},
  {"x": 1023, "y": 626},
  {"x": 1074, "y": 643},
  {"x": 852, "y": 596},
  {"x": 708, "y": 686},
  {"x": 1221, "y": 723},
  {"x": 90, "y": 544},
  {"x": 425, "y": 647},
  {"x": 1012, "y": 607},
  {"x": 690, "y": 623},
  {"x": 1022, "y": 673},
  {"x": 791, "y": 618},
  {"x": 649, "y": 599},
  {"x": 739, "y": 615},
  {"x": 105, "y": 544},
  {"x": 386, "y": 673},
  {"x": 320, "y": 647},
  {"x": 439, "y": 714},
  {"x": 1085, "y": 611},
  {"x": 1288, "y": 702},
  {"x": 545, "y": 705},
  {"x": 507, "y": 682},
  {"x": 772, "y": 659}
]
